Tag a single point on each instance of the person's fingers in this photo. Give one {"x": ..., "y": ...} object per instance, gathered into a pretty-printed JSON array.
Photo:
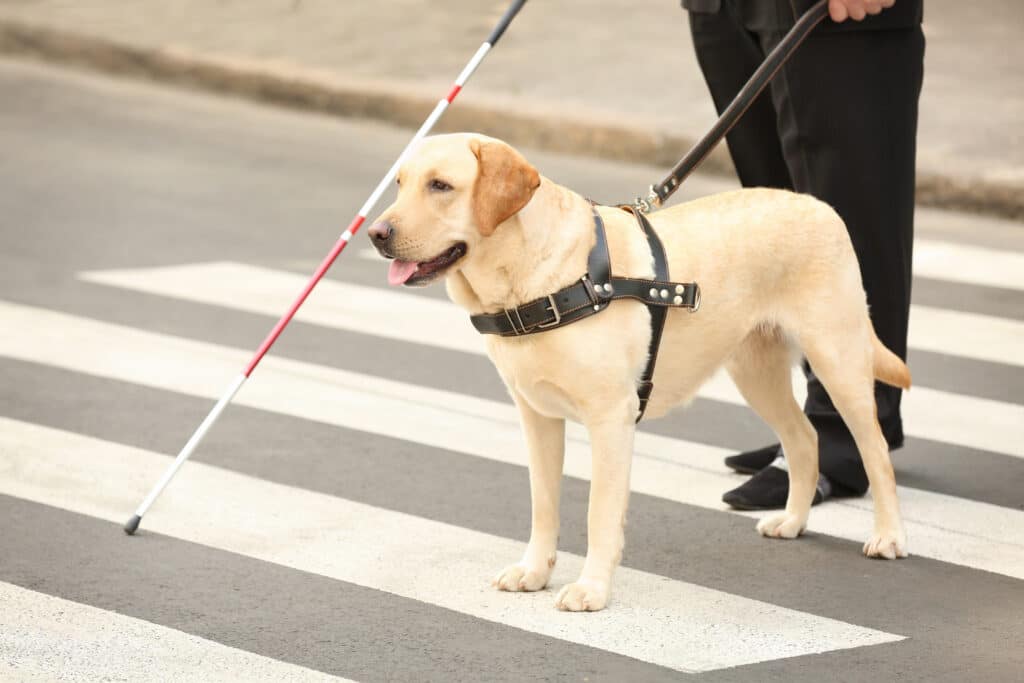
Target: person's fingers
[
  {"x": 841, "y": 10},
  {"x": 855, "y": 8},
  {"x": 837, "y": 10}
]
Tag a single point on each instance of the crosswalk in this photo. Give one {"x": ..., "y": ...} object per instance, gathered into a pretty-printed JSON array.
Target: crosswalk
[
  {"x": 674, "y": 624},
  {"x": 344, "y": 519}
]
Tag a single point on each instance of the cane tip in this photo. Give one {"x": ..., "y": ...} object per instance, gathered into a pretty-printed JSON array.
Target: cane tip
[{"x": 132, "y": 525}]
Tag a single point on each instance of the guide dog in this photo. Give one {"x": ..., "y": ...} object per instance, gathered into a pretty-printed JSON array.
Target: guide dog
[{"x": 779, "y": 278}]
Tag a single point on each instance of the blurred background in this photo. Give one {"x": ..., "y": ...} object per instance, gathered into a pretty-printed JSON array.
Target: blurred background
[{"x": 611, "y": 78}]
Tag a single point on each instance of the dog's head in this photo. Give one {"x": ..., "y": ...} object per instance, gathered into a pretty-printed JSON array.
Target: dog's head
[{"x": 454, "y": 191}]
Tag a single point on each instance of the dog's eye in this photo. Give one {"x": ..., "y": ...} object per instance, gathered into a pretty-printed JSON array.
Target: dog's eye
[{"x": 437, "y": 185}]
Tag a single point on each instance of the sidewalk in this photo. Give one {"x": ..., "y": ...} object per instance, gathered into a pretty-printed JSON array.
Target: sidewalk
[{"x": 610, "y": 78}]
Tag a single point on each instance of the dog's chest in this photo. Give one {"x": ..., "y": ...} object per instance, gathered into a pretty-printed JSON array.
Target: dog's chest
[
  {"x": 536, "y": 376},
  {"x": 576, "y": 370},
  {"x": 549, "y": 400}
]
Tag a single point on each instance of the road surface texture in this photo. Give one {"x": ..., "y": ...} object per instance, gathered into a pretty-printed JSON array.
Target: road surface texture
[{"x": 344, "y": 518}]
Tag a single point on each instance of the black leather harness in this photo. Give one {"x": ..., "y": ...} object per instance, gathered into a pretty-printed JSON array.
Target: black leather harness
[{"x": 593, "y": 292}]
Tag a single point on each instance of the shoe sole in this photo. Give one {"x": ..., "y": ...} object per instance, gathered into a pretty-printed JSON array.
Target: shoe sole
[
  {"x": 740, "y": 469},
  {"x": 746, "y": 507},
  {"x": 751, "y": 508}
]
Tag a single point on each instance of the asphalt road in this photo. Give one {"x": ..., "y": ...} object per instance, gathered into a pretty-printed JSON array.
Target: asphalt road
[{"x": 345, "y": 517}]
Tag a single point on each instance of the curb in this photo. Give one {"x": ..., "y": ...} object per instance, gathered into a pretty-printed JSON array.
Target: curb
[{"x": 407, "y": 105}]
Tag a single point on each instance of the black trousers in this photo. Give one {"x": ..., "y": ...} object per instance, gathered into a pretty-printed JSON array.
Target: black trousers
[{"x": 839, "y": 123}]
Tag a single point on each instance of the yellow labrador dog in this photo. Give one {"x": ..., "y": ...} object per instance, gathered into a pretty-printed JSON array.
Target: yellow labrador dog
[{"x": 779, "y": 277}]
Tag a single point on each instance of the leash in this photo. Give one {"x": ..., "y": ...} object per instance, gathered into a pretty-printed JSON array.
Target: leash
[{"x": 658, "y": 194}]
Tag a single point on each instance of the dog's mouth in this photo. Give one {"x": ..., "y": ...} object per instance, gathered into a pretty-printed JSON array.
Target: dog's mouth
[{"x": 412, "y": 273}]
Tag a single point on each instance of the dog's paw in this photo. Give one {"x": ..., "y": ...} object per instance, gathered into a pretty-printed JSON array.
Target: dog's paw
[
  {"x": 887, "y": 544},
  {"x": 585, "y": 595},
  {"x": 518, "y": 577},
  {"x": 782, "y": 525}
]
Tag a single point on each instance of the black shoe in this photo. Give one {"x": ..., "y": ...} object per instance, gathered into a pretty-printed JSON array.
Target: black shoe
[
  {"x": 768, "y": 489},
  {"x": 752, "y": 462}
]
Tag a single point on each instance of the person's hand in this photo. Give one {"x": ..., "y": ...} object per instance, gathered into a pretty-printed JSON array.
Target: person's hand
[{"x": 841, "y": 10}]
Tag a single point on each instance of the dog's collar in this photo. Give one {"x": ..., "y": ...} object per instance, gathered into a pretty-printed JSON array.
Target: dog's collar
[{"x": 593, "y": 292}]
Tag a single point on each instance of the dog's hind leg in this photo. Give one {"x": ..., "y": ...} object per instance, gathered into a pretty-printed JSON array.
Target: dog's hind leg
[
  {"x": 843, "y": 360},
  {"x": 545, "y": 440},
  {"x": 760, "y": 367}
]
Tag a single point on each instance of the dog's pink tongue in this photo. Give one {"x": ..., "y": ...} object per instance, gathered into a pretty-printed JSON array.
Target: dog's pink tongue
[{"x": 400, "y": 271}]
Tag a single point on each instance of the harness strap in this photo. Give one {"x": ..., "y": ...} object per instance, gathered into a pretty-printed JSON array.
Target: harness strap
[
  {"x": 593, "y": 292},
  {"x": 567, "y": 305},
  {"x": 658, "y": 313}
]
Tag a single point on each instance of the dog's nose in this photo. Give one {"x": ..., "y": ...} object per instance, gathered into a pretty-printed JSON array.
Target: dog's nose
[{"x": 380, "y": 232}]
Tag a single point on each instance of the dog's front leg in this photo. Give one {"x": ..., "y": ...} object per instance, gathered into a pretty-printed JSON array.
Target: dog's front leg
[
  {"x": 612, "y": 450},
  {"x": 545, "y": 440}
]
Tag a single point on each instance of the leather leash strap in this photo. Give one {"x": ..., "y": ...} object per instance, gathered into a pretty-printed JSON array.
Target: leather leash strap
[
  {"x": 658, "y": 194},
  {"x": 593, "y": 292}
]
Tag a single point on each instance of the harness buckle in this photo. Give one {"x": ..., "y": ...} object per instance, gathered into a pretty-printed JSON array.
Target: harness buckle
[
  {"x": 696, "y": 298},
  {"x": 513, "y": 322},
  {"x": 553, "y": 307},
  {"x": 591, "y": 290}
]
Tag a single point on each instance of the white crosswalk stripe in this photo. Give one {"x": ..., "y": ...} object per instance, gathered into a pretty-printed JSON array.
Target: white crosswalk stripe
[
  {"x": 968, "y": 264},
  {"x": 45, "y": 638},
  {"x": 970, "y": 335},
  {"x": 943, "y": 527},
  {"x": 929, "y": 413}
]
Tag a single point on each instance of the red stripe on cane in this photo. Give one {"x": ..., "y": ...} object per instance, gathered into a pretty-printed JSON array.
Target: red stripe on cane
[
  {"x": 339, "y": 246},
  {"x": 453, "y": 92}
]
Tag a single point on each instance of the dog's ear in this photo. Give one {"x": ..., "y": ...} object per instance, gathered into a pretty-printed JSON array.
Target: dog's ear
[{"x": 505, "y": 182}]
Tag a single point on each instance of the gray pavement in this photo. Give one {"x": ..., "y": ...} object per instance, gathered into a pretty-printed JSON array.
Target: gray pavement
[
  {"x": 100, "y": 174},
  {"x": 615, "y": 78}
]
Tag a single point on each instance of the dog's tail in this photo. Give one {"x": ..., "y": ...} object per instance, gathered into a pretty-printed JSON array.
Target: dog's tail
[{"x": 888, "y": 366}]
